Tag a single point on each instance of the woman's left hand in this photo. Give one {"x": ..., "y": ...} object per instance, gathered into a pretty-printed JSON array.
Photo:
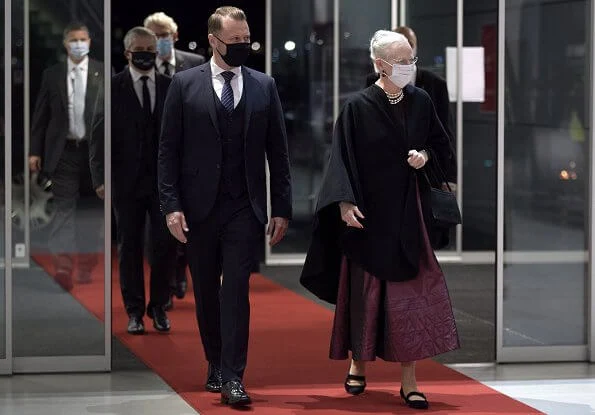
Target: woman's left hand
[{"x": 417, "y": 159}]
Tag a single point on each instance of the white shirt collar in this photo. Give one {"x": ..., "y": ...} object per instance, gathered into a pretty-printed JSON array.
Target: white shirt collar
[
  {"x": 82, "y": 65},
  {"x": 217, "y": 70},
  {"x": 136, "y": 75},
  {"x": 172, "y": 61}
]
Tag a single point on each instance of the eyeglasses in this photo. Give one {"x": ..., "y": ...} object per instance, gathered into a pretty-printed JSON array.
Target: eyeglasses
[
  {"x": 411, "y": 61},
  {"x": 163, "y": 35}
]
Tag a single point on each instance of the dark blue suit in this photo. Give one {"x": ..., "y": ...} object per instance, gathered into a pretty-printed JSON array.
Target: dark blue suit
[{"x": 225, "y": 206}]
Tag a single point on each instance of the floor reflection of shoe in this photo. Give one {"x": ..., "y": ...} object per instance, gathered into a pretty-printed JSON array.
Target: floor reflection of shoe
[
  {"x": 64, "y": 279},
  {"x": 84, "y": 277}
]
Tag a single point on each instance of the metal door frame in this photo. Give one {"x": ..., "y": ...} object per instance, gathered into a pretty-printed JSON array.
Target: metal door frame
[
  {"x": 49, "y": 364},
  {"x": 6, "y": 364}
]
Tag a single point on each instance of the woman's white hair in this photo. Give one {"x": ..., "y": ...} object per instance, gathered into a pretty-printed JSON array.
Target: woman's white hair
[
  {"x": 161, "y": 19},
  {"x": 382, "y": 41}
]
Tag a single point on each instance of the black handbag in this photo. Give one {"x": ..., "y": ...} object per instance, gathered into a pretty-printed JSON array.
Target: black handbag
[{"x": 445, "y": 209}]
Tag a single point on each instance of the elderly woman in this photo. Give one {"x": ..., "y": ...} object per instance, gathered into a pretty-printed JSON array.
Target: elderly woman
[{"x": 370, "y": 252}]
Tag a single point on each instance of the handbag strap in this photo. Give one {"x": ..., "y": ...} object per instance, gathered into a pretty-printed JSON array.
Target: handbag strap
[{"x": 435, "y": 163}]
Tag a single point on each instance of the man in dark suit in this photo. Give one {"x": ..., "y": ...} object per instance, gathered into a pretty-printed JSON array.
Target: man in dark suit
[
  {"x": 221, "y": 123},
  {"x": 69, "y": 115},
  {"x": 169, "y": 61},
  {"x": 138, "y": 96}
]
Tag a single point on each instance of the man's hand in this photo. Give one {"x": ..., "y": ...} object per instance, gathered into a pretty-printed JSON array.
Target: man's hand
[
  {"x": 277, "y": 228},
  {"x": 417, "y": 159},
  {"x": 350, "y": 213},
  {"x": 34, "y": 163},
  {"x": 100, "y": 192},
  {"x": 176, "y": 223}
]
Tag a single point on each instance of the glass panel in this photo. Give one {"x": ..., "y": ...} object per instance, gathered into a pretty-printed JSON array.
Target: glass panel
[
  {"x": 59, "y": 296},
  {"x": 435, "y": 26},
  {"x": 2, "y": 198},
  {"x": 472, "y": 287},
  {"x": 546, "y": 172},
  {"x": 302, "y": 65},
  {"x": 356, "y": 28},
  {"x": 480, "y": 132}
]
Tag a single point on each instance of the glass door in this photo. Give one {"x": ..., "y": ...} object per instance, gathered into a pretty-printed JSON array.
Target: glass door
[
  {"x": 59, "y": 228},
  {"x": 5, "y": 341},
  {"x": 545, "y": 180}
]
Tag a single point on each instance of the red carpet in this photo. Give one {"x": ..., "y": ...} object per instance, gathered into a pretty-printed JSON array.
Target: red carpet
[{"x": 288, "y": 370}]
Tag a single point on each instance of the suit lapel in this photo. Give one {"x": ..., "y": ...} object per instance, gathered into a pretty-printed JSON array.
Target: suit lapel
[
  {"x": 93, "y": 86},
  {"x": 210, "y": 97},
  {"x": 62, "y": 84},
  {"x": 249, "y": 95},
  {"x": 180, "y": 64}
]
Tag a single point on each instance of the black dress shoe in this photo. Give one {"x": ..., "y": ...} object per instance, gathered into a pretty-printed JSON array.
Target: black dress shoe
[
  {"x": 135, "y": 325},
  {"x": 160, "y": 320},
  {"x": 213, "y": 379},
  {"x": 233, "y": 393},
  {"x": 355, "y": 384},
  {"x": 181, "y": 287}
]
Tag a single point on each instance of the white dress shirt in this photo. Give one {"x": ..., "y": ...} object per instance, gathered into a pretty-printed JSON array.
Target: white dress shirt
[
  {"x": 237, "y": 82},
  {"x": 138, "y": 85},
  {"x": 76, "y": 115},
  {"x": 172, "y": 64}
]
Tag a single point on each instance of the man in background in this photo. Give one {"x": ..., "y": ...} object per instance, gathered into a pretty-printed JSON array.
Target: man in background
[
  {"x": 68, "y": 116},
  {"x": 138, "y": 95}
]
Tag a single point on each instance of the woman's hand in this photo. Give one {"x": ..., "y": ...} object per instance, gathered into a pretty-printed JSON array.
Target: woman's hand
[
  {"x": 350, "y": 213},
  {"x": 417, "y": 159}
]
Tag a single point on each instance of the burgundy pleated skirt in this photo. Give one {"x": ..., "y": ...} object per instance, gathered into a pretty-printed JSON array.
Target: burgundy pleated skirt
[{"x": 395, "y": 321}]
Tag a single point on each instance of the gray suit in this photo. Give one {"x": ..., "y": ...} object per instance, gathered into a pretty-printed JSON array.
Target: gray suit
[{"x": 72, "y": 165}]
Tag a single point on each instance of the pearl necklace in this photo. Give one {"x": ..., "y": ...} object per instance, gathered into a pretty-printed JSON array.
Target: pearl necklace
[{"x": 394, "y": 98}]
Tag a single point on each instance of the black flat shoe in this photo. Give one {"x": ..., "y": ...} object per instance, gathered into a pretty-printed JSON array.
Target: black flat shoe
[
  {"x": 355, "y": 389},
  {"x": 213, "y": 384},
  {"x": 415, "y": 404},
  {"x": 234, "y": 394}
]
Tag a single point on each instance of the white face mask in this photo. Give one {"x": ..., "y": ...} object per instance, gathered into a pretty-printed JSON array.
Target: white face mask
[
  {"x": 79, "y": 48},
  {"x": 401, "y": 74}
]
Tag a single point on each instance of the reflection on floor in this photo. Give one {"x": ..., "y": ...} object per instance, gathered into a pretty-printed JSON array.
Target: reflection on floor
[
  {"x": 554, "y": 388},
  {"x": 122, "y": 393}
]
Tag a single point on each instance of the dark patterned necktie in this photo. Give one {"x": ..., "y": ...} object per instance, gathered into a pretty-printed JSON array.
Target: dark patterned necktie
[
  {"x": 166, "y": 70},
  {"x": 227, "y": 94}
]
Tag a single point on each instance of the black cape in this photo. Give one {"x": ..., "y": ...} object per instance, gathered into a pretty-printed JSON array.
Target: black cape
[{"x": 368, "y": 168}]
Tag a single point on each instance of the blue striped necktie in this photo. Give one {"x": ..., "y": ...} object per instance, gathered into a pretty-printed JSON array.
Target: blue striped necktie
[{"x": 227, "y": 94}]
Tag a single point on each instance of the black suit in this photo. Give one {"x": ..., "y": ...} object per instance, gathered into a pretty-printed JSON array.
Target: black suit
[
  {"x": 220, "y": 185},
  {"x": 72, "y": 165},
  {"x": 436, "y": 88},
  {"x": 187, "y": 60},
  {"x": 134, "y": 176}
]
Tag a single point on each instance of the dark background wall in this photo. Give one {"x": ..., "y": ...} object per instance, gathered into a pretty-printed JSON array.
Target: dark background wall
[{"x": 191, "y": 17}]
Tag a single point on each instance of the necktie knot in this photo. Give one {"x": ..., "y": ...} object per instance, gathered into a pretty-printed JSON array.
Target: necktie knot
[
  {"x": 144, "y": 78},
  {"x": 227, "y": 75}
]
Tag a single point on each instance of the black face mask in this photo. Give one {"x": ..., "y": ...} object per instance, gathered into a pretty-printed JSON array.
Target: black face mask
[
  {"x": 237, "y": 53},
  {"x": 143, "y": 60}
]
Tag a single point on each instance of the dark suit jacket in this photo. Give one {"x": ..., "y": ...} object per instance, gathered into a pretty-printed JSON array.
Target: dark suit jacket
[
  {"x": 190, "y": 150},
  {"x": 187, "y": 60},
  {"x": 128, "y": 126},
  {"x": 50, "y": 118},
  {"x": 438, "y": 92}
]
